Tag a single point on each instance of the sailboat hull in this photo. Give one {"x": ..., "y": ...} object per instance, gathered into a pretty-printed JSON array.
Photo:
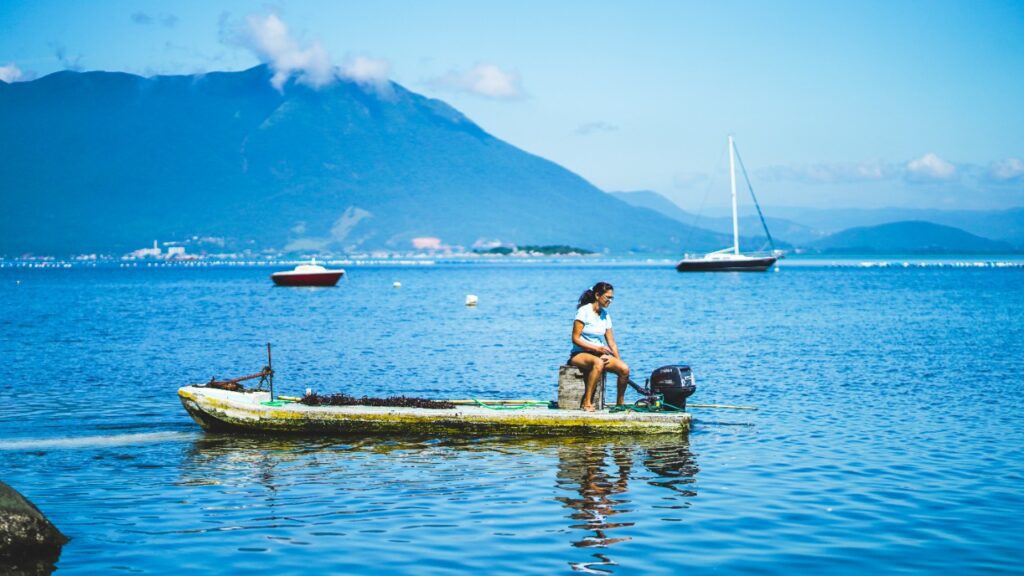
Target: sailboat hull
[{"x": 725, "y": 265}]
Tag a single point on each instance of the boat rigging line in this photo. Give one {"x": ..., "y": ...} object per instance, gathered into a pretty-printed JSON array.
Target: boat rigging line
[
  {"x": 756, "y": 205},
  {"x": 707, "y": 191}
]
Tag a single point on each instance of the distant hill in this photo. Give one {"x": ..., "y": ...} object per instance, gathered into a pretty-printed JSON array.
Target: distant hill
[
  {"x": 809, "y": 227},
  {"x": 107, "y": 162},
  {"x": 785, "y": 232},
  {"x": 912, "y": 237},
  {"x": 654, "y": 201},
  {"x": 1001, "y": 225}
]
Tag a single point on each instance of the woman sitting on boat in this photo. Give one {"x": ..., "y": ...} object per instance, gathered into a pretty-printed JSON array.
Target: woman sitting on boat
[{"x": 593, "y": 345}]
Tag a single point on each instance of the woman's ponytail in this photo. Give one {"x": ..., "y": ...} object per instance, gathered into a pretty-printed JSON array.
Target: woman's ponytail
[
  {"x": 590, "y": 295},
  {"x": 587, "y": 297}
]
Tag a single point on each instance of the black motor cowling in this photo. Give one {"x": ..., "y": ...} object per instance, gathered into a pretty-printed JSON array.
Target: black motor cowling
[{"x": 675, "y": 383}]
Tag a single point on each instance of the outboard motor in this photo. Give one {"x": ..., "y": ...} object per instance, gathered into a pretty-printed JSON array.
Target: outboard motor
[
  {"x": 675, "y": 383},
  {"x": 670, "y": 385}
]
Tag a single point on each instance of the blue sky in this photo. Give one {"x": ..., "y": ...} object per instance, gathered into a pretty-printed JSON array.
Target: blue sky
[{"x": 866, "y": 104}]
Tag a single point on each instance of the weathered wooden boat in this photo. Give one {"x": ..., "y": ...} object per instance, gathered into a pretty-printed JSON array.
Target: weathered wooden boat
[{"x": 219, "y": 410}]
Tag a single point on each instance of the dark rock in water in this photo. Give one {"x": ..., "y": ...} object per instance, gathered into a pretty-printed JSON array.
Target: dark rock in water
[{"x": 29, "y": 543}]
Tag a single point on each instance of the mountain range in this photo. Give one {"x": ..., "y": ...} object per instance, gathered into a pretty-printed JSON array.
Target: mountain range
[
  {"x": 908, "y": 237},
  {"x": 106, "y": 162},
  {"x": 869, "y": 231}
]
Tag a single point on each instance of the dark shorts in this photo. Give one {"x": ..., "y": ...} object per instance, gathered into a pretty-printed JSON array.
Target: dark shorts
[{"x": 573, "y": 355}]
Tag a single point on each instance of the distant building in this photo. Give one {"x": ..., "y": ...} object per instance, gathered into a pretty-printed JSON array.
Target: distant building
[
  {"x": 427, "y": 243},
  {"x": 153, "y": 252}
]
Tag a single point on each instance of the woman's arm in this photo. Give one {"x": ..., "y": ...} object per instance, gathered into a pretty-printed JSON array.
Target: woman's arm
[
  {"x": 577, "y": 338},
  {"x": 610, "y": 338}
]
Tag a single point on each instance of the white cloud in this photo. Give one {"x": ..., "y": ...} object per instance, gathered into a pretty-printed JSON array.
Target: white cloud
[
  {"x": 594, "y": 127},
  {"x": 836, "y": 173},
  {"x": 487, "y": 80},
  {"x": 427, "y": 243},
  {"x": 931, "y": 168},
  {"x": 370, "y": 72},
  {"x": 308, "y": 63},
  {"x": 1008, "y": 170},
  {"x": 10, "y": 73},
  {"x": 269, "y": 38}
]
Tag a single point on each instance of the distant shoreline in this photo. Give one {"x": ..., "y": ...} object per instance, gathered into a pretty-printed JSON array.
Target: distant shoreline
[{"x": 596, "y": 261}]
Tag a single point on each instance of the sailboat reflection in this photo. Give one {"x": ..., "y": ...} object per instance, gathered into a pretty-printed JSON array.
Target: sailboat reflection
[{"x": 600, "y": 472}]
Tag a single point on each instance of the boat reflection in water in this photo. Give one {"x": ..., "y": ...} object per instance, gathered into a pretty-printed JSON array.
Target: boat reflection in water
[
  {"x": 352, "y": 499},
  {"x": 600, "y": 474}
]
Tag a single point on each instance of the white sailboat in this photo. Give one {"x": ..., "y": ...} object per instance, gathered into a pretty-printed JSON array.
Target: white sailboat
[{"x": 731, "y": 259}]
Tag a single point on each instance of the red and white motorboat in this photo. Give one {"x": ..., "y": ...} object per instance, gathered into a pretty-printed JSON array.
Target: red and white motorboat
[{"x": 311, "y": 274}]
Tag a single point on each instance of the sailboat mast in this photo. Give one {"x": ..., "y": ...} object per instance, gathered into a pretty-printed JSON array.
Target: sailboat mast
[{"x": 735, "y": 220}]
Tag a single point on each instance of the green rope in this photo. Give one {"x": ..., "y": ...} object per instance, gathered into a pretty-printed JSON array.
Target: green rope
[
  {"x": 659, "y": 406},
  {"x": 520, "y": 407},
  {"x": 631, "y": 408},
  {"x": 277, "y": 403}
]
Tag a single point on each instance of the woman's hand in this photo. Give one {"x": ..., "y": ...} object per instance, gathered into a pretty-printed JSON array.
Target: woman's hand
[{"x": 612, "y": 348}]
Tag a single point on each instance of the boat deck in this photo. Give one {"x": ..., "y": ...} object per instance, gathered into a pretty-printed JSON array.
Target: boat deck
[{"x": 224, "y": 411}]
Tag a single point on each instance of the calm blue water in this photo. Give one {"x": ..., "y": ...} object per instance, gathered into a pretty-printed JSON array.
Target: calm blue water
[{"x": 890, "y": 435}]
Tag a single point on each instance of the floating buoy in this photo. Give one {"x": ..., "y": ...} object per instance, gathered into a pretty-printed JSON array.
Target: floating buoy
[
  {"x": 471, "y": 299},
  {"x": 396, "y": 285},
  {"x": 776, "y": 268}
]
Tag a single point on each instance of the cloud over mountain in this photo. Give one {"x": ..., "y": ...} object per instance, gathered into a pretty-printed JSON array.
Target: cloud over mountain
[
  {"x": 268, "y": 37},
  {"x": 931, "y": 168},
  {"x": 928, "y": 168},
  {"x": 487, "y": 80},
  {"x": 834, "y": 173},
  {"x": 369, "y": 72},
  {"x": 1007, "y": 170},
  {"x": 10, "y": 73}
]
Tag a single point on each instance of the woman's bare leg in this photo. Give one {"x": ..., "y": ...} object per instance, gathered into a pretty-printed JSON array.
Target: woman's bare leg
[
  {"x": 621, "y": 369},
  {"x": 592, "y": 367}
]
